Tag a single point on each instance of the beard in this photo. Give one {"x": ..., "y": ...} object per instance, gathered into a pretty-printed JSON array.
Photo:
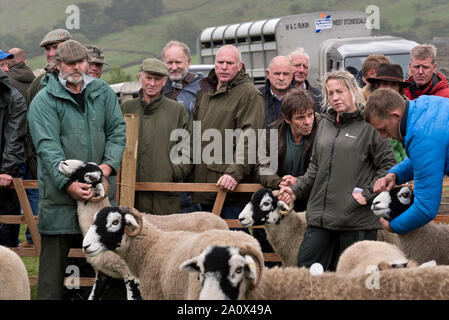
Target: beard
[
  {"x": 177, "y": 76},
  {"x": 73, "y": 78}
]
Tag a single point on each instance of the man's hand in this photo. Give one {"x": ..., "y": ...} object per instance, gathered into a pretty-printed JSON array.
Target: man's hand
[
  {"x": 385, "y": 184},
  {"x": 286, "y": 194},
  {"x": 288, "y": 181},
  {"x": 5, "y": 180},
  {"x": 80, "y": 191},
  {"x": 386, "y": 225},
  {"x": 361, "y": 200},
  {"x": 227, "y": 183},
  {"x": 107, "y": 170}
]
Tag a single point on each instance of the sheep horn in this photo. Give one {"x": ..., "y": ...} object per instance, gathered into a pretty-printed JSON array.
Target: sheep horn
[
  {"x": 105, "y": 184},
  {"x": 276, "y": 194},
  {"x": 136, "y": 214},
  {"x": 258, "y": 258}
]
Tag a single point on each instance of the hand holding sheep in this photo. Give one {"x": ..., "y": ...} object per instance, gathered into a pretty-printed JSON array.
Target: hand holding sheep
[
  {"x": 385, "y": 184},
  {"x": 80, "y": 191}
]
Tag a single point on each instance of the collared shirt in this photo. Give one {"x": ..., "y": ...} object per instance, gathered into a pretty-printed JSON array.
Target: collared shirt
[
  {"x": 277, "y": 103},
  {"x": 86, "y": 80}
]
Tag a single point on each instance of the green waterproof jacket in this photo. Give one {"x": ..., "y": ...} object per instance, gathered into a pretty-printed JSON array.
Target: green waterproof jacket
[
  {"x": 159, "y": 119},
  {"x": 345, "y": 155},
  {"x": 237, "y": 105},
  {"x": 61, "y": 130}
]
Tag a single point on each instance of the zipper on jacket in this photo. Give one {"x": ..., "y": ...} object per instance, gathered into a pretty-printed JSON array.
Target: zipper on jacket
[{"x": 330, "y": 172}]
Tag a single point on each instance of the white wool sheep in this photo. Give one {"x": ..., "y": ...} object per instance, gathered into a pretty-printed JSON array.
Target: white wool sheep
[
  {"x": 154, "y": 255},
  {"x": 284, "y": 227},
  {"x": 429, "y": 242},
  {"x": 14, "y": 283},
  {"x": 109, "y": 263},
  {"x": 299, "y": 284},
  {"x": 360, "y": 257}
]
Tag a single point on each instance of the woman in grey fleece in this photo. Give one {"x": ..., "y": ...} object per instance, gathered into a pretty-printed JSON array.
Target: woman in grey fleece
[{"x": 348, "y": 157}]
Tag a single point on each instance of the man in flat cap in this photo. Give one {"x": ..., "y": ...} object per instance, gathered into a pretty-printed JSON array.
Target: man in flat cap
[
  {"x": 159, "y": 117},
  {"x": 75, "y": 116},
  {"x": 95, "y": 61},
  {"x": 50, "y": 43}
]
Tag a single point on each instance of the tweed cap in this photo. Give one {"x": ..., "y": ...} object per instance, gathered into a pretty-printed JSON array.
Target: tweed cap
[
  {"x": 71, "y": 51},
  {"x": 95, "y": 55},
  {"x": 153, "y": 65},
  {"x": 54, "y": 36}
]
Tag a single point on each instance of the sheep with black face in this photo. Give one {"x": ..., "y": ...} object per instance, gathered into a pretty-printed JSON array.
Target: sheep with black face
[
  {"x": 284, "y": 227},
  {"x": 154, "y": 256},
  {"x": 109, "y": 264},
  {"x": 429, "y": 242}
]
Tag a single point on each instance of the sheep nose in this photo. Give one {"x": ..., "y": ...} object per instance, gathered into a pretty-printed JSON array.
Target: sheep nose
[{"x": 86, "y": 247}]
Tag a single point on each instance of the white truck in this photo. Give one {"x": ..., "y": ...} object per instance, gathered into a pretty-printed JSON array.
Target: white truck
[{"x": 333, "y": 40}]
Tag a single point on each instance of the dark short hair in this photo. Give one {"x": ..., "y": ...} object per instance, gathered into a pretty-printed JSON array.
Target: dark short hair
[
  {"x": 381, "y": 102},
  {"x": 296, "y": 100}
]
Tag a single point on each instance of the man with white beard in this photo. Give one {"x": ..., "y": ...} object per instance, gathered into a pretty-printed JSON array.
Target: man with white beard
[{"x": 74, "y": 116}]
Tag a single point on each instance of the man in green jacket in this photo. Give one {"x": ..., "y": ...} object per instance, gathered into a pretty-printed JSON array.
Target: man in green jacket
[
  {"x": 160, "y": 118},
  {"x": 73, "y": 117},
  {"x": 228, "y": 102}
]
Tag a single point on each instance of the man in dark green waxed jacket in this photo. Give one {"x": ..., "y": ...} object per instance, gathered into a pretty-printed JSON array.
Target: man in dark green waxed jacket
[
  {"x": 160, "y": 117},
  {"x": 73, "y": 117},
  {"x": 227, "y": 103}
]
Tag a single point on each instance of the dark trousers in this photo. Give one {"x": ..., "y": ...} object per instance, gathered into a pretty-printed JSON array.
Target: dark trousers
[
  {"x": 9, "y": 205},
  {"x": 53, "y": 263},
  {"x": 325, "y": 246}
]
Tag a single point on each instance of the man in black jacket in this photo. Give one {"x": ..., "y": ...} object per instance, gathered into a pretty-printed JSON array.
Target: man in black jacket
[
  {"x": 300, "y": 63},
  {"x": 12, "y": 154},
  {"x": 279, "y": 80}
]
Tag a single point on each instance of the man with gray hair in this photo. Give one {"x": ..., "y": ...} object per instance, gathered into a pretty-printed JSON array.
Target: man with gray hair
[
  {"x": 74, "y": 116},
  {"x": 181, "y": 84},
  {"x": 301, "y": 63},
  {"x": 159, "y": 118},
  {"x": 424, "y": 80}
]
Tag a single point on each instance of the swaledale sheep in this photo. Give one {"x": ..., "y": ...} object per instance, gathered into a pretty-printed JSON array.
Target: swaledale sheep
[
  {"x": 298, "y": 283},
  {"x": 109, "y": 263},
  {"x": 360, "y": 257},
  {"x": 429, "y": 242},
  {"x": 284, "y": 227},
  {"x": 154, "y": 256},
  {"x": 14, "y": 283}
]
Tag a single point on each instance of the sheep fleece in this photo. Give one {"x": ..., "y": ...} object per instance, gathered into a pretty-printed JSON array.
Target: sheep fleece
[
  {"x": 14, "y": 283},
  {"x": 396, "y": 284},
  {"x": 158, "y": 269}
]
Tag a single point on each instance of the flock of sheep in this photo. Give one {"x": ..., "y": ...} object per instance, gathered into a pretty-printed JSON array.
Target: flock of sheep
[{"x": 196, "y": 256}]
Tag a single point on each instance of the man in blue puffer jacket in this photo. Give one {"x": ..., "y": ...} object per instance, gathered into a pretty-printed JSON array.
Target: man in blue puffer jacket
[{"x": 422, "y": 126}]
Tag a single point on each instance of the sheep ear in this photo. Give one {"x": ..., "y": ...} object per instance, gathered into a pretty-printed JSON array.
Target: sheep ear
[
  {"x": 250, "y": 266},
  {"x": 384, "y": 265},
  {"x": 190, "y": 265}
]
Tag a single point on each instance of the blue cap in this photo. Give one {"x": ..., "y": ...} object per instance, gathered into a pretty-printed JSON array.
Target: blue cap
[{"x": 5, "y": 55}]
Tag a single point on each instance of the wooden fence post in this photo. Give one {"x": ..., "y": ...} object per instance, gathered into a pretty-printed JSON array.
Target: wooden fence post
[{"x": 129, "y": 161}]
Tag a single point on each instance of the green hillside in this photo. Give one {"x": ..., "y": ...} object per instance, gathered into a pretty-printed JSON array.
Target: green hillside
[{"x": 28, "y": 21}]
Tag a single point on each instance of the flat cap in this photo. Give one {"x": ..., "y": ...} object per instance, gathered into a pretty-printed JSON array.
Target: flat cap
[
  {"x": 153, "y": 65},
  {"x": 95, "y": 54},
  {"x": 71, "y": 51},
  {"x": 54, "y": 36}
]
